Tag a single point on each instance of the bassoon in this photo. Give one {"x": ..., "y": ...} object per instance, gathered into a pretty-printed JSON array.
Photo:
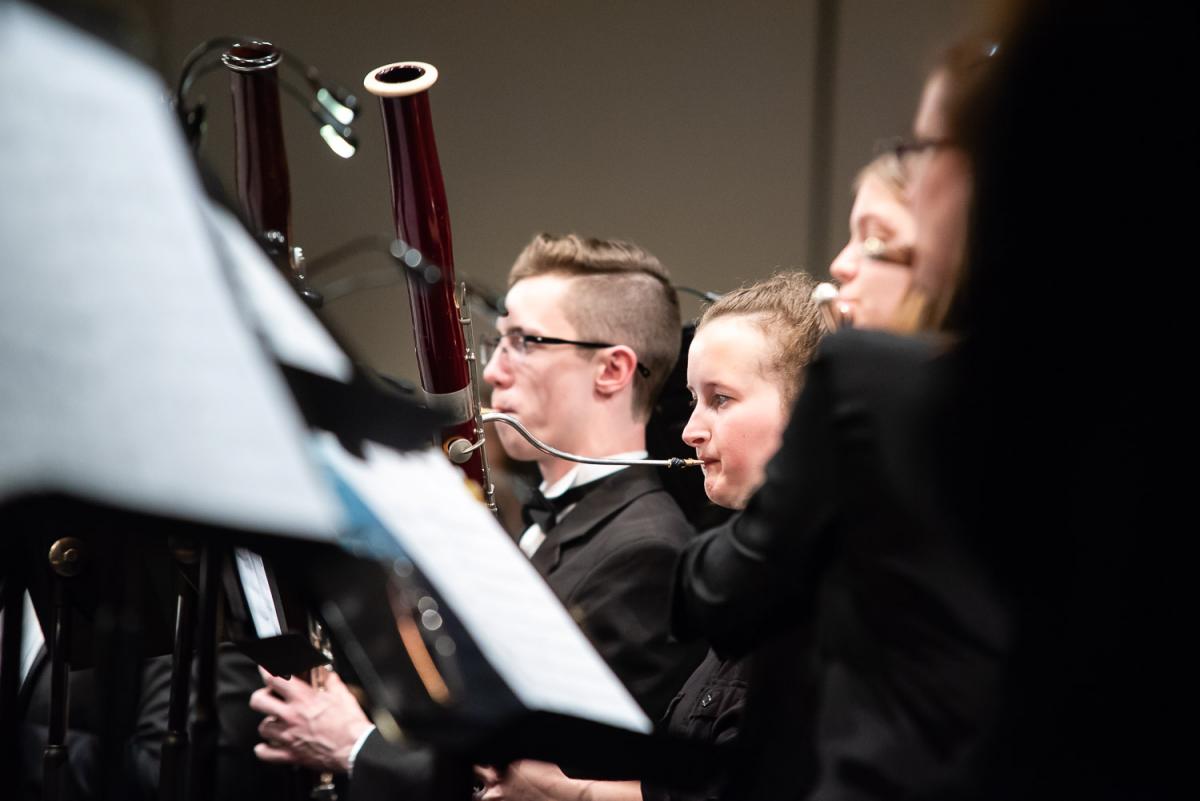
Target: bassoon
[
  {"x": 446, "y": 358},
  {"x": 264, "y": 194}
]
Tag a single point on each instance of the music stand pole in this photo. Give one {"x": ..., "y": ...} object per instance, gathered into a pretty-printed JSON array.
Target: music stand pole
[
  {"x": 202, "y": 767},
  {"x": 66, "y": 562},
  {"x": 172, "y": 768}
]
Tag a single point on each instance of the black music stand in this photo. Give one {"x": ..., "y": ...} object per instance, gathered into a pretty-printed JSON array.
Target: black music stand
[{"x": 144, "y": 415}]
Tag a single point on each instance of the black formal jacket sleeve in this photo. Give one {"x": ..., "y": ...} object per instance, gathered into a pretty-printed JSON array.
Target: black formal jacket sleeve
[
  {"x": 385, "y": 771},
  {"x": 858, "y": 538}
]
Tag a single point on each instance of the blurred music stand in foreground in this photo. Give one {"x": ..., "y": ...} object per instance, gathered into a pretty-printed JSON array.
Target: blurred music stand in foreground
[{"x": 144, "y": 414}]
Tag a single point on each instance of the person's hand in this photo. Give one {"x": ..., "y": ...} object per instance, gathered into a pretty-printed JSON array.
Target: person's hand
[
  {"x": 306, "y": 726},
  {"x": 527, "y": 780}
]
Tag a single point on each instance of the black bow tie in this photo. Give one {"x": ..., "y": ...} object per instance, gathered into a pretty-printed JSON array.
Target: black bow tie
[{"x": 545, "y": 511}]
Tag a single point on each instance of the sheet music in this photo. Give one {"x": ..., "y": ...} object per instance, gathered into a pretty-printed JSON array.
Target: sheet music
[
  {"x": 128, "y": 374},
  {"x": 32, "y": 639},
  {"x": 513, "y": 616},
  {"x": 259, "y": 599}
]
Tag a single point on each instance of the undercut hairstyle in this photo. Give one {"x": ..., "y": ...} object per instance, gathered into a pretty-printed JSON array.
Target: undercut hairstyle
[
  {"x": 783, "y": 309},
  {"x": 619, "y": 293}
]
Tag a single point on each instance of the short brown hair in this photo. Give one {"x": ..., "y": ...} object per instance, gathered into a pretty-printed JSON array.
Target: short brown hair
[
  {"x": 621, "y": 294},
  {"x": 783, "y": 308}
]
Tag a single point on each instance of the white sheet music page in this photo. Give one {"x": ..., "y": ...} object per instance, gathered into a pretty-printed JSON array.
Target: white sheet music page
[
  {"x": 129, "y": 374},
  {"x": 510, "y": 612},
  {"x": 257, "y": 588},
  {"x": 32, "y": 639}
]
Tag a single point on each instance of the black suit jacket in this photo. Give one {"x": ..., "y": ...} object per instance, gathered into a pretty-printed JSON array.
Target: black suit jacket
[
  {"x": 858, "y": 542},
  {"x": 610, "y": 561}
]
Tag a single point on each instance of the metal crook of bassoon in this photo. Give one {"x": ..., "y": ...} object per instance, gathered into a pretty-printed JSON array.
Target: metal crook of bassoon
[{"x": 462, "y": 449}]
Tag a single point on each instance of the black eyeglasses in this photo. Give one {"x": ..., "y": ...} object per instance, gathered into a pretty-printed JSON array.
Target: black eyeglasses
[{"x": 518, "y": 344}]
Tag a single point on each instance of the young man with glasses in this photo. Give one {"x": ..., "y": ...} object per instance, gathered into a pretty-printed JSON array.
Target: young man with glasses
[{"x": 591, "y": 333}]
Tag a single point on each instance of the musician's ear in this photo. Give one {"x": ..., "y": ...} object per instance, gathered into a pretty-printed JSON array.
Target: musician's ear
[{"x": 615, "y": 369}]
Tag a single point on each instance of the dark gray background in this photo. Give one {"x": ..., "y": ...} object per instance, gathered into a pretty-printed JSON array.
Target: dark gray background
[{"x": 684, "y": 126}]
